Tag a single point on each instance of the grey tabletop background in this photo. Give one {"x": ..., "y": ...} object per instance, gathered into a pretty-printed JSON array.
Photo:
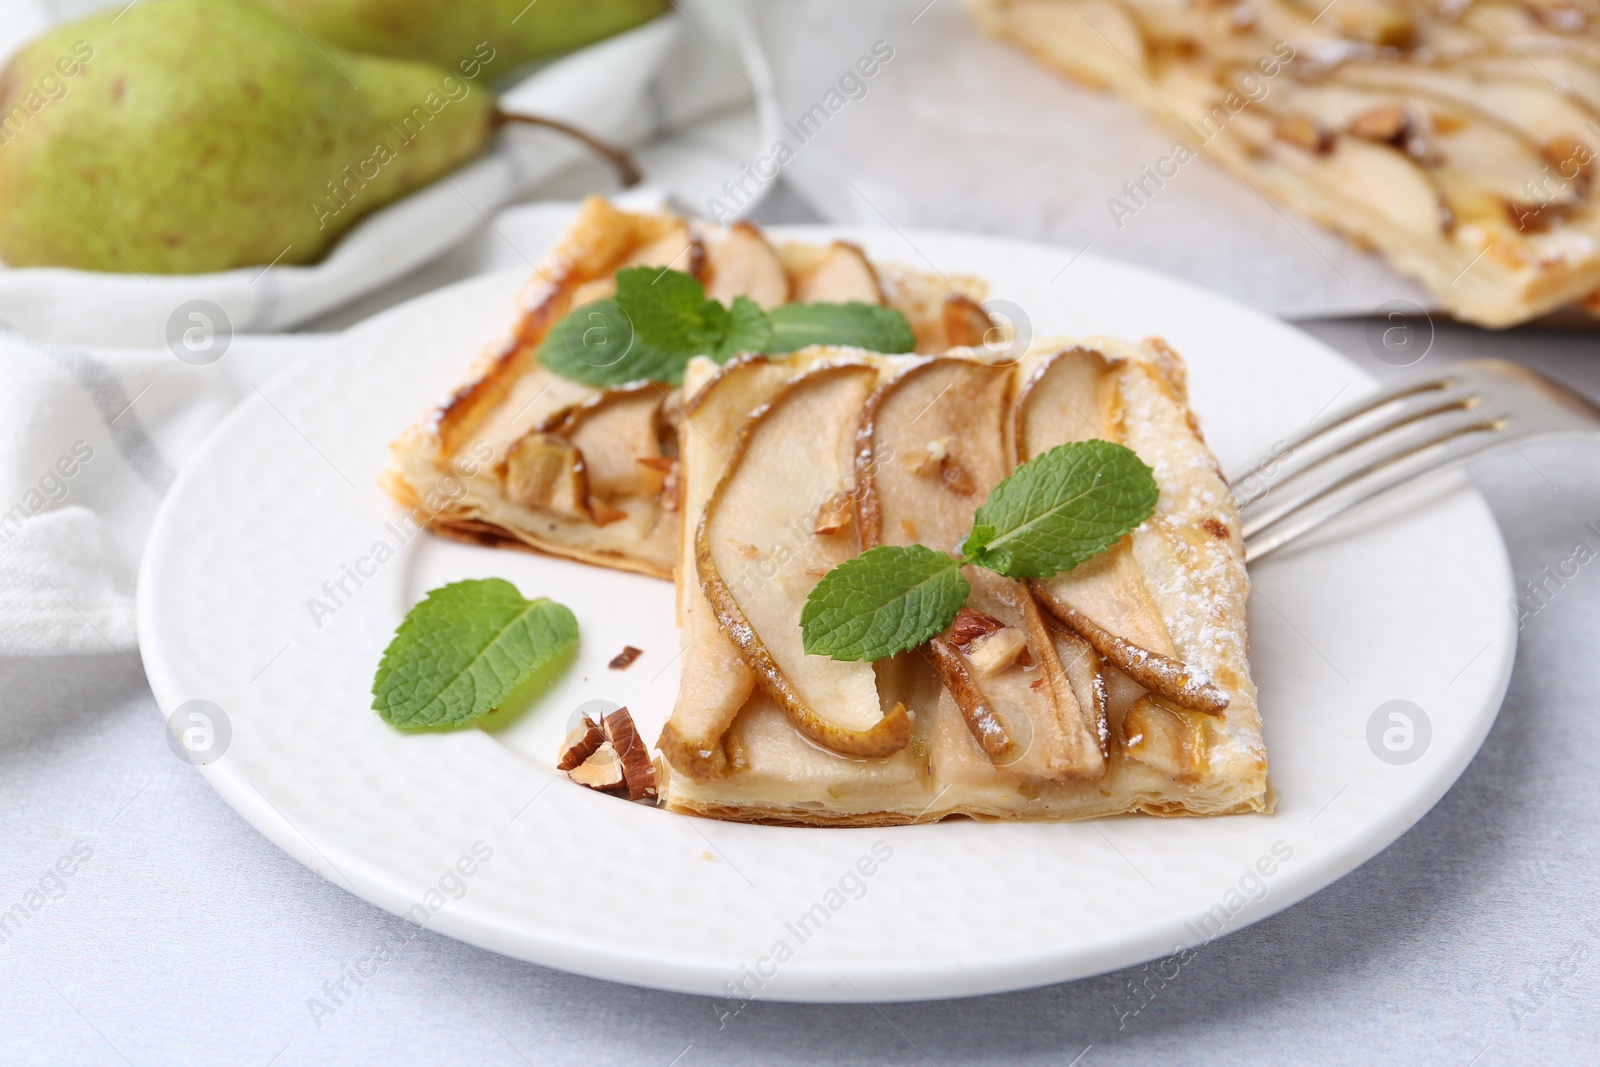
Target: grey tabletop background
[{"x": 182, "y": 936}]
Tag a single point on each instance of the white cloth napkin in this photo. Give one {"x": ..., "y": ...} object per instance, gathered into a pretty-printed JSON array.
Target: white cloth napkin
[{"x": 90, "y": 439}]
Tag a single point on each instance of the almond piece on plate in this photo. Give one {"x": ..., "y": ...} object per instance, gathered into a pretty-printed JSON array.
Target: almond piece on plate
[
  {"x": 624, "y": 659},
  {"x": 638, "y": 773},
  {"x": 602, "y": 770},
  {"x": 584, "y": 740}
]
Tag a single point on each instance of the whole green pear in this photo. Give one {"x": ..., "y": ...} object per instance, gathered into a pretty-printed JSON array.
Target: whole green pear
[
  {"x": 188, "y": 136},
  {"x": 447, "y": 31}
]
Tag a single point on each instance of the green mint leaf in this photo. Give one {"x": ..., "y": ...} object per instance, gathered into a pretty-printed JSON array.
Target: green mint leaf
[
  {"x": 749, "y": 330},
  {"x": 462, "y": 651},
  {"x": 886, "y": 600},
  {"x": 596, "y": 344},
  {"x": 869, "y": 326},
  {"x": 670, "y": 311},
  {"x": 1060, "y": 508}
]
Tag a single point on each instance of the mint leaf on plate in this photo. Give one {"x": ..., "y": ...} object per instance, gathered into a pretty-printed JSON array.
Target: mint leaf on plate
[
  {"x": 886, "y": 600},
  {"x": 1060, "y": 508},
  {"x": 869, "y": 326},
  {"x": 464, "y": 649}
]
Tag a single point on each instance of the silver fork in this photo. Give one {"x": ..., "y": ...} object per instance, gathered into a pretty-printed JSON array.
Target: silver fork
[{"x": 1396, "y": 436}]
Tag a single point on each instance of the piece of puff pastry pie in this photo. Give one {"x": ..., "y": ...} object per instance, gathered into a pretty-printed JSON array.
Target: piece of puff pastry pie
[
  {"x": 1119, "y": 685},
  {"x": 523, "y": 457}
]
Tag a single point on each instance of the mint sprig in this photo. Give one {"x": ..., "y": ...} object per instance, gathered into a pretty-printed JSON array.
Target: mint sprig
[
  {"x": 886, "y": 600},
  {"x": 870, "y": 326},
  {"x": 462, "y": 651},
  {"x": 660, "y": 319},
  {"x": 1049, "y": 515},
  {"x": 1060, "y": 508}
]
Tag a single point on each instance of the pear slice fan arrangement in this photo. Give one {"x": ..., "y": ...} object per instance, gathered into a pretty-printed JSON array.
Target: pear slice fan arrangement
[{"x": 1121, "y": 685}]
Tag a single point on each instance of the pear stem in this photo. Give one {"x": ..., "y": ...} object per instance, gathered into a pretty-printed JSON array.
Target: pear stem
[{"x": 619, "y": 157}]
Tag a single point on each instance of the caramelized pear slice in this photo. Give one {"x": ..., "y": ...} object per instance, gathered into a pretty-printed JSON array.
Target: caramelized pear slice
[
  {"x": 758, "y": 559},
  {"x": 1165, "y": 739},
  {"x": 675, "y": 247},
  {"x": 716, "y": 683},
  {"x": 840, "y": 275},
  {"x": 742, "y": 263},
  {"x": 618, "y": 431},
  {"x": 966, "y": 324},
  {"x": 545, "y": 472},
  {"x": 1073, "y": 395},
  {"x": 1188, "y": 686},
  {"x": 957, "y": 409},
  {"x": 1088, "y": 681}
]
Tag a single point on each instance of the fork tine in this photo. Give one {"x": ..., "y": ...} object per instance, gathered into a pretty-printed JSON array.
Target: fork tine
[
  {"x": 1399, "y": 434},
  {"x": 1374, "y": 483},
  {"x": 1350, "y": 432},
  {"x": 1338, "y": 418},
  {"x": 1358, "y": 457}
]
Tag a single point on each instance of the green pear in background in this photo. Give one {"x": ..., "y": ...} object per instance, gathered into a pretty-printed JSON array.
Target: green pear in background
[
  {"x": 445, "y": 31},
  {"x": 187, "y": 136}
]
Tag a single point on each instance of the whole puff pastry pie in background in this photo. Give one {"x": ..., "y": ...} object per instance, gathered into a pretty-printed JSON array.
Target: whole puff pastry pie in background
[{"x": 1459, "y": 139}]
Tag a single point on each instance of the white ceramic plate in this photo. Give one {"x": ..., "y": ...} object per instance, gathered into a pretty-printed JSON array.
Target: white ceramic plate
[{"x": 1404, "y": 602}]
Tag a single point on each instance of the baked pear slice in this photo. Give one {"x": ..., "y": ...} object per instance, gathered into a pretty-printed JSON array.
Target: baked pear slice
[
  {"x": 1076, "y": 395},
  {"x": 930, "y": 448},
  {"x": 716, "y": 681},
  {"x": 758, "y": 556},
  {"x": 1166, "y": 606}
]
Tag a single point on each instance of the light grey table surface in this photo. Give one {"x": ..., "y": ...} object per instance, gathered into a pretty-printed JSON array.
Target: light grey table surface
[{"x": 183, "y": 937}]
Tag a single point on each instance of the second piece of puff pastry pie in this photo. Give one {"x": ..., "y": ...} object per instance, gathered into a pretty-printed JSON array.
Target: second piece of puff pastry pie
[
  {"x": 1460, "y": 139},
  {"x": 521, "y": 457},
  {"x": 1119, "y": 686}
]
